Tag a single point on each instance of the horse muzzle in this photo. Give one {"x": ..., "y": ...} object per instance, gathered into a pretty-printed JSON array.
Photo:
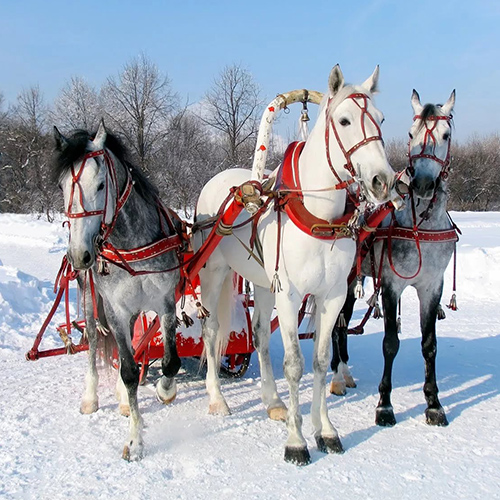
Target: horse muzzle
[{"x": 81, "y": 260}]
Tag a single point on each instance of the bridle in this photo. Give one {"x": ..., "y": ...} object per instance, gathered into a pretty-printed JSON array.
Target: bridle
[
  {"x": 111, "y": 177},
  {"x": 429, "y": 136},
  {"x": 348, "y": 153}
]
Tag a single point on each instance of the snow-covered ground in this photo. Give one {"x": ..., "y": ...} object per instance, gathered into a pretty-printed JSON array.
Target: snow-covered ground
[{"x": 48, "y": 450}]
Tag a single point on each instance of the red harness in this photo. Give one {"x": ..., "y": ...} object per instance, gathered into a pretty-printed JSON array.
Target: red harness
[{"x": 429, "y": 136}]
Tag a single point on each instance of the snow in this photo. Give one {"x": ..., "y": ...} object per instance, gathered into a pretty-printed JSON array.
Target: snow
[{"x": 49, "y": 450}]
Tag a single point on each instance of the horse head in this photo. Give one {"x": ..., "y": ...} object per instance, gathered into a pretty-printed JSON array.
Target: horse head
[
  {"x": 429, "y": 145},
  {"x": 357, "y": 141},
  {"x": 85, "y": 176}
]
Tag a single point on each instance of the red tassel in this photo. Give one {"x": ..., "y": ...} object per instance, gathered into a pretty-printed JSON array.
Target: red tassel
[{"x": 453, "y": 303}]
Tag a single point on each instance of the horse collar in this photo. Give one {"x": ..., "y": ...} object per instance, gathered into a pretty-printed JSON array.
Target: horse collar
[{"x": 290, "y": 197}]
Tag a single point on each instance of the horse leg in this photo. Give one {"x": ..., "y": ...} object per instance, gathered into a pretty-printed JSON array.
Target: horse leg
[
  {"x": 90, "y": 401},
  {"x": 293, "y": 366},
  {"x": 385, "y": 413},
  {"x": 121, "y": 391},
  {"x": 213, "y": 278},
  {"x": 129, "y": 374},
  {"x": 261, "y": 326},
  {"x": 342, "y": 377},
  {"x": 326, "y": 435},
  {"x": 429, "y": 303},
  {"x": 166, "y": 388}
]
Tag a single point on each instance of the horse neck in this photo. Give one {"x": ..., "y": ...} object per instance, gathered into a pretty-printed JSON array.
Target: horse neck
[
  {"x": 315, "y": 173},
  {"x": 438, "y": 215},
  {"x": 138, "y": 222}
]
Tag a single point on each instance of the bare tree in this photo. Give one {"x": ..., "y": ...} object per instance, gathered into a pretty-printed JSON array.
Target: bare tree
[
  {"x": 27, "y": 150},
  {"x": 139, "y": 105},
  {"x": 186, "y": 161},
  {"x": 77, "y": 106},
  {"x": 232, "y": 108}
]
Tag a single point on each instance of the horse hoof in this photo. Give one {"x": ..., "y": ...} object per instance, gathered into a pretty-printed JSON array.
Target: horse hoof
[
  {"x": 385, "y": 417},
  {"x": 124, "y": 410},
  {"x": 349, "y": 382},
  {"x": 277, "y": 413},
  {"x": 219, "y": 408},
  {"x": 436, "y": 416},
  {"x": 166, "y": 396},
  {"x": 297, "y": 456},
  {"x": 338, "y": 388},
  {"x": 329, "y": 444},
  {"x": 88, "y": 407},
  {"x": 137, "y": 452}
]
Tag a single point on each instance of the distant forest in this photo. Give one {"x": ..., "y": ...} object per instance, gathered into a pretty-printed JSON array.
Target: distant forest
[{"x": 177, "y": 147}]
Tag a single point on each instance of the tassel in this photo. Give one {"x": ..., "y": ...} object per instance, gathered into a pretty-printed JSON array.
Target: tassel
[
  {"x": 372, "y": 301},
  {"x": 453, "y": 303},
  {"x": 377, "y": 312},
  {"x": 398, "y": 324},
  {"x": 440, "y": 312},
  {"x": 103, "y": 268},
  {"x": 359, "y": 291},
  {"x": 202, "y": 312},
  {"x": 178, "y": 322},
  {"x": 341, "y": 322},
  {"x": 276, "y": 284},
  {"x": 186, "y": 320}
]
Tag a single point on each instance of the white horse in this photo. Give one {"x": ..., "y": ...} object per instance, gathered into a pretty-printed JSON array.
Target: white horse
[{"x": 344, "y": 143}]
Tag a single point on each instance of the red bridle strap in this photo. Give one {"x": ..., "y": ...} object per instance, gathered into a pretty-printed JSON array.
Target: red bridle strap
[
  {"x": 110, "y": 176},
  {"x": 429, "y": 136},
  {"x": 348, "y": 153}
]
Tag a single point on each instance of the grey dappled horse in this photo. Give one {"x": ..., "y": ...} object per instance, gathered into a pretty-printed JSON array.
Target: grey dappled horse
[
  {"x": 407, "y": 264},
  {"x": 111, "y": 204}
]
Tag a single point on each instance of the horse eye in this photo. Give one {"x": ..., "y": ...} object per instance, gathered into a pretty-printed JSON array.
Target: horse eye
[
  {"x": 344, "y": 122},
  {"x": 411, "y": 136},
  {"x": 101, "y": 186},
  {"x": 446, "y": 136}
]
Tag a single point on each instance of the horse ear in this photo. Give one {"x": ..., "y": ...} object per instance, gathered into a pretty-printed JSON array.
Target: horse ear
[
  {"x": 415, "y": 102},
  {"x": 371, "y": 84},
  {"x": 61, "y": 141},
  {"x": 335, "y": 80},
  {"x": 100, "y": 137},
  {"x": 448, "y": 106}
]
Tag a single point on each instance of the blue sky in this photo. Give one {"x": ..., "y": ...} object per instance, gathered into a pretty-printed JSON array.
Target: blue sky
[{"x": 431, "y": 45}]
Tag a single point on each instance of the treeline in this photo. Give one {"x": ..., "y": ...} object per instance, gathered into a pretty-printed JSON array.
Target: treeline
[{"x": 179, "y": 147}]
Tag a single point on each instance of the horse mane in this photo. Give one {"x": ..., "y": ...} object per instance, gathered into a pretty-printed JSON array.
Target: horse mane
[
  {"x": 428, "y": 111},
  {"x": 77, "y": 147},
  {"x": 345, "y": 91}
]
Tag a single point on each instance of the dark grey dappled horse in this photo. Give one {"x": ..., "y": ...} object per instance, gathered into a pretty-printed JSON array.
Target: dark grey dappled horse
[
  {"x": 112, "y": 208},
  {"x": 406, "y": 262}
]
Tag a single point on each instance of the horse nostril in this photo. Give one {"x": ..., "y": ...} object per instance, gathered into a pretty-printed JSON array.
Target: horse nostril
[
  {"x": 430, "y": 186},
  {"x": 379, "y": 184},
  {"x": 87, "y": 258}
]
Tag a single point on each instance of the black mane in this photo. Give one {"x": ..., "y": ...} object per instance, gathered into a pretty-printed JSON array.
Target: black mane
[
  {"x": 428, "y": 111},
  {"x": 77, "y": 146}
]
